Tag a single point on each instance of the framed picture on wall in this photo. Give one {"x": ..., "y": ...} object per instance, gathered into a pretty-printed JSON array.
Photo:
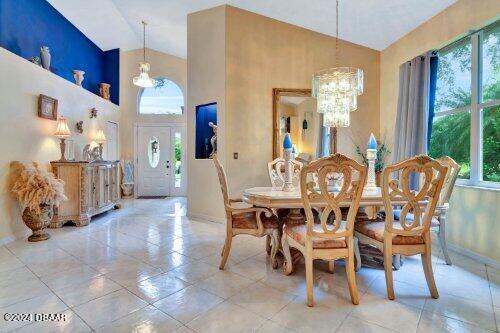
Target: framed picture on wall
[{"x": 47, "y": 107}]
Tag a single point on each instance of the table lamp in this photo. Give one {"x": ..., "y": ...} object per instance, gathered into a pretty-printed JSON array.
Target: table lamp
[
  {"x": 100, "y": 138},
  {"x": 62, "y": 132}
]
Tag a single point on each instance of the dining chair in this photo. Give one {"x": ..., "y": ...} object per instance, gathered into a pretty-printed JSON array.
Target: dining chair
[
  {"x": 438, "y": 221},
  {"x": 331, "y": 237},
  {"x": 276, "y": 169},
  {"x": 406, "y": 236},
  {"x": 245, "y": 219}
]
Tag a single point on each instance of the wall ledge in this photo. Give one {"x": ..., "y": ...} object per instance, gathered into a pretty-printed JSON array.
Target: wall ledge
[{"x": 58, "y": 77}]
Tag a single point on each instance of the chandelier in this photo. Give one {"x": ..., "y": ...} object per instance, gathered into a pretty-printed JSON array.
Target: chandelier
[
  {"x": 337, "y": 89},
  {"x": 143, "y": 80}
]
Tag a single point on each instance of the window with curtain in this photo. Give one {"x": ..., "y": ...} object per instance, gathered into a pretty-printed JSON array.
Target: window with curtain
[{"x": 466, "y": 120}]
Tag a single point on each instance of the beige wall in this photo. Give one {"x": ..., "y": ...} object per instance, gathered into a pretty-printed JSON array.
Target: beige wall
[
  {"x": 473, "y": 212},
  {"x": 162, "y": 65},
  {"x": 263, "y": 54},
  {"x": 206, "y": 84},
  {"x": 245, "y": 56},
  {"x": 25, "y": 137}
]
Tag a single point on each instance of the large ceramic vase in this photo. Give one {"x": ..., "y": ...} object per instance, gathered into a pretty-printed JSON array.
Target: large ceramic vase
[
  {"x": 78, "y": 75},
  {"x": 38, "y": 222},
  {"x": 45, "y": 57}
]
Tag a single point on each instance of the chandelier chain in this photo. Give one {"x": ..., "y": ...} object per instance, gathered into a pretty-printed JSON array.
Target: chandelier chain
[
  {"x": 144, "y": 41},
  {"x": 337, "y": 34}
]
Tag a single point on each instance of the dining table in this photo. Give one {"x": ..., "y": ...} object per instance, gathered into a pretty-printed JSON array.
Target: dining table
[{"x": 274, "y": 198}]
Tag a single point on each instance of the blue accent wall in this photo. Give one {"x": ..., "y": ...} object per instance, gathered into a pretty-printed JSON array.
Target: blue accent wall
[
  {"x": 204, "y": 114},
  {"x": 112, "y": 73},
  {"x": 26, "y": 25}
]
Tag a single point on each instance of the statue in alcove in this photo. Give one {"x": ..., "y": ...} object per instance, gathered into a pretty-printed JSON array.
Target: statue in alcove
[{"x": 213, "y": 140}]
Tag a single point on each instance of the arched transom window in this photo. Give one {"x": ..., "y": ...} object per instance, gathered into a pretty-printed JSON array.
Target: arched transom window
[{"x": 165, "y": 97}]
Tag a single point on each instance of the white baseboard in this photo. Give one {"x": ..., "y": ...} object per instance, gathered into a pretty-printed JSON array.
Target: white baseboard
[
  {"x": 473, "y": 255},
  {"x": 221, "y": 220},
  {"x": 10, "y": 239}
]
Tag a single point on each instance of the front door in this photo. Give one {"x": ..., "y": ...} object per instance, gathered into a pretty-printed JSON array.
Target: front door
[{"x": 153, "y": 161}]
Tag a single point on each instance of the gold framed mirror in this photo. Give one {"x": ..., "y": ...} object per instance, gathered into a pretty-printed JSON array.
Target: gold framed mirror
[{"x": 294, "y": 112}]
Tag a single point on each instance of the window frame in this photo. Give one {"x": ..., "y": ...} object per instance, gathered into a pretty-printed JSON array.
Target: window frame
[
  {"x": 476, "y": 115},
  {"x": 141, "y": 91}
]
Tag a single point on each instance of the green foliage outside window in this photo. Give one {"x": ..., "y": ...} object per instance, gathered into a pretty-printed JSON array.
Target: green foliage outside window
[{"x": 451, "y": 133}]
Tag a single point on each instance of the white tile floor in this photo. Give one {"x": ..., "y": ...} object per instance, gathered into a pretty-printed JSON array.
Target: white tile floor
[{"x": 148, "y": 268}]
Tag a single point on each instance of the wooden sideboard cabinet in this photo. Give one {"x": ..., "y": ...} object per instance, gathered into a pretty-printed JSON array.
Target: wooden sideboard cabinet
[{"x": 91, "y": 188}]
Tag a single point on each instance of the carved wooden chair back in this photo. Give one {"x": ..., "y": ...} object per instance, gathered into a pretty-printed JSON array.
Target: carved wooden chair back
[
  {"x": 276, "y": 169},
  {"x": 316, "y": 192},
  {"x": 449, "y": 181},
  {"x": 420, "y": 203},
  {"x": 222, "y": 181}
]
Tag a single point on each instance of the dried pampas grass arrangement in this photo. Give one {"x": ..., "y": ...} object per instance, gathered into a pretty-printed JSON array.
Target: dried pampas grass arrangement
[{"x": 34, "y": 187}]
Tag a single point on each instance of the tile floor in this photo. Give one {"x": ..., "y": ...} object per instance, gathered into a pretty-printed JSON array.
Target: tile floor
[{"x": 148, "y": 268}]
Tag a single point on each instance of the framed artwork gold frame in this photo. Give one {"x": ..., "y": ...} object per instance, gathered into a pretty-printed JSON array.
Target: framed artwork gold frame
[{"x": 47, "y": 107}]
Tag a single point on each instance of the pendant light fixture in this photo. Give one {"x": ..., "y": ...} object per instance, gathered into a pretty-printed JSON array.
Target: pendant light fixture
[
  {"x": 143, "y": 80},
  {"x": 336, "y": 89}
]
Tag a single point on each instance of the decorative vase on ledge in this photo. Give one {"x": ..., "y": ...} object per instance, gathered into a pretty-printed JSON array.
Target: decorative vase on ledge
[
  {"x": 45, "y": 57},
  {"x": 78, "y": 75},
  {"x": 104, "y": 90}
]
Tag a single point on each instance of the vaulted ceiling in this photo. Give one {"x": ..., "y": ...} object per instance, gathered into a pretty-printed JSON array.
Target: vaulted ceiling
[{"x": 117, "y": 23}]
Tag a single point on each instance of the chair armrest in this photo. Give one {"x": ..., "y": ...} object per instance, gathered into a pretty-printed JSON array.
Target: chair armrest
[
  {"x": 257, "y": 210},
  {"x": 235, "y": 200}
]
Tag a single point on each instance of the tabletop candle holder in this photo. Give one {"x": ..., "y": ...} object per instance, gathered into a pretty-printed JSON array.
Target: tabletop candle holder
[
  {"x": 287, "y": 155},
  {"x": 371, "y": 155}
]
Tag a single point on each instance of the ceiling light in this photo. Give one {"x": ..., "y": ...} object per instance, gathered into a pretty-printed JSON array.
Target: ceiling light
[
  {"x": 336, "y": 89},
  {"x": 143, "y": 80}
]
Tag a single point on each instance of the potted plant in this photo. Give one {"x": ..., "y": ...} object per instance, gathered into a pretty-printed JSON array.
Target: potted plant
[
  {"x": 382, "y": 152},
  {"x": 37, "y": 192}
]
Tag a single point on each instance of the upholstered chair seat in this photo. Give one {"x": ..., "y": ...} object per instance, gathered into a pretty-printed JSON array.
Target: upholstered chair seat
[
  {"x": 249, "y": 221},
  {"x": 298, "y": 233},
  {"x": 375, "y": 230}
]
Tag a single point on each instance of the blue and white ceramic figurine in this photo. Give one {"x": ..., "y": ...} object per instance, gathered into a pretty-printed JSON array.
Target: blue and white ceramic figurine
[
  {"x": 371, "y": 155},
  {"x": 287, "y": 155}
]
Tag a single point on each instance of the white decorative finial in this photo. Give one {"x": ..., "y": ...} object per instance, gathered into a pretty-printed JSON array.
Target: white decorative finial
[
  {"x": 287, "y": 155},
  {"x": 371, "y": 155}
]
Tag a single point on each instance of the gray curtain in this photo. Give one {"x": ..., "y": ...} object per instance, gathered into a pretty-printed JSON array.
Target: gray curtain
[
  {"x": 410, "y": 136},
  {"x": 320, "y": 152}
]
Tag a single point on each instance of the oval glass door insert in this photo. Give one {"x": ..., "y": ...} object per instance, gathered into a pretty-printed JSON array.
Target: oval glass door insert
[{"x": 154, "y": 152}]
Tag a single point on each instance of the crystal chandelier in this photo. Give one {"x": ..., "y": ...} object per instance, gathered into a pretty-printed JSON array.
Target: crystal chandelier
[
  {"x": 143, "y": 80},
  {"x": 337, "y": 89}
]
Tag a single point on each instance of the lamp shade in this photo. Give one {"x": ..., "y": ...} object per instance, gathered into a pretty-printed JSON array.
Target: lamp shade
[
  {"x": 62, "y": 130},
  {"x": 100, "y": 137}
]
